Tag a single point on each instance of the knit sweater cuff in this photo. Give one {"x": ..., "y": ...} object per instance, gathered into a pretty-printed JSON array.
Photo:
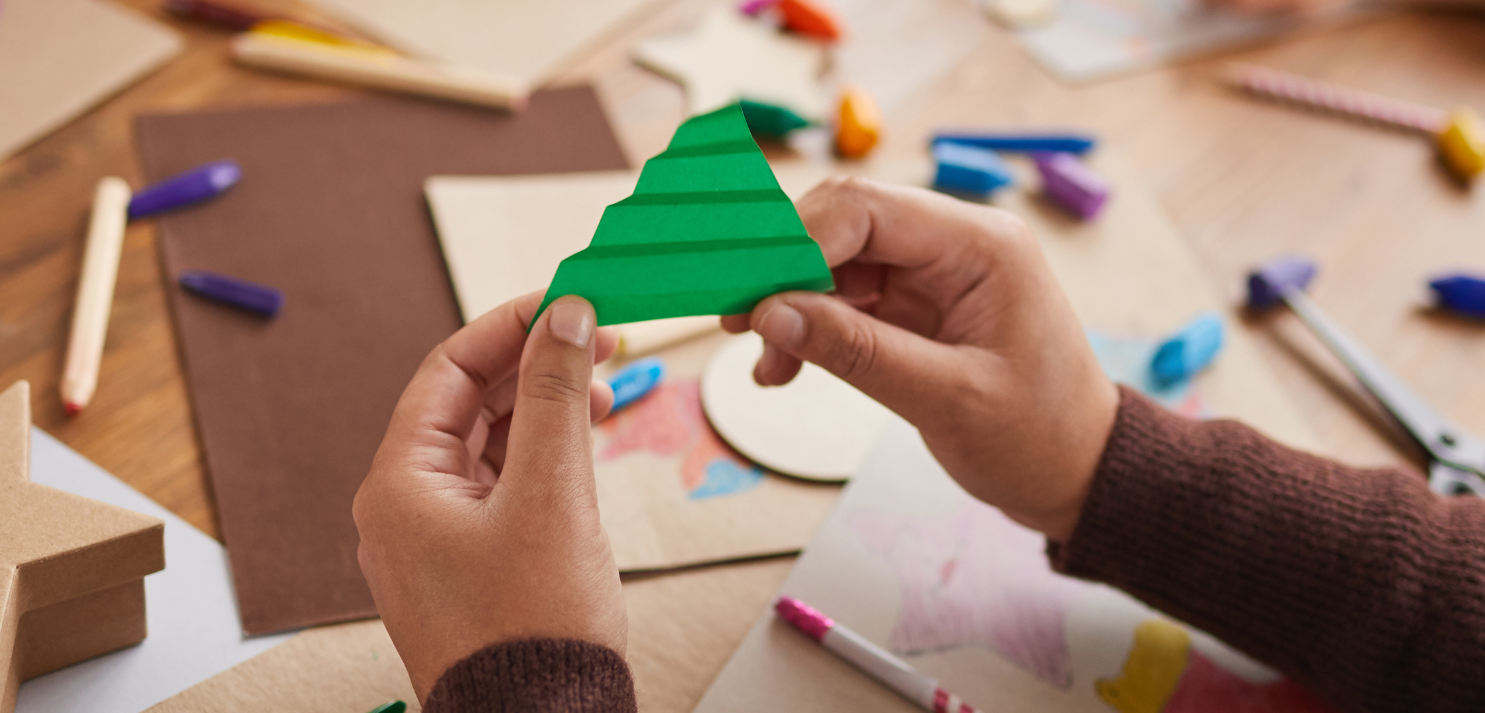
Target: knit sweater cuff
[
  {"x": 1179, "y": 508},
  {"x": 536, "y": 676},
  {"x": 1126, "y": 489},
  {"x": 1358, "y": 583}
]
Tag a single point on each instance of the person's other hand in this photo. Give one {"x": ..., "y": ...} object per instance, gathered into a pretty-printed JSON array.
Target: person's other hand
[
  {"x": 479, "y": 518},
  {"x": 947, "y": 313}
]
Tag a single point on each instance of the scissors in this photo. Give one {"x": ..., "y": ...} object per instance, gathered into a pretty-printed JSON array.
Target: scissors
[{"x": 1456, "y": 457}]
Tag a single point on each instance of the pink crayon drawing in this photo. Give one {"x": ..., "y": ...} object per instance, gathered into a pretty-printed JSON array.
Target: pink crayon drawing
[
  {"x": 668, "y": 422},
  {"x": 974, "y": 579}
]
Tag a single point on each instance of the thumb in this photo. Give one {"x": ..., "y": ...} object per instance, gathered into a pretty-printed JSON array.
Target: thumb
[
  {"x": 901, "y": 370},
  {"x": 549, "y": 441}
]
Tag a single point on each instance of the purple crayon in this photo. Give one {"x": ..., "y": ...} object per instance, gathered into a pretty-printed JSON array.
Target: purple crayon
[
  {"x": 1071, "y": 184},
  {"x": 197, "y": 184},
  {"x": 1268, "y": 284},
  {"x": 255, "y": 298}
]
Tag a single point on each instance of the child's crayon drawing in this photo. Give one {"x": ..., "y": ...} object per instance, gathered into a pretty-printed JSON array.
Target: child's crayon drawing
[
  {"x": 975, "y": 579},
  {"x": 1127, "y": 361},
  {"x": 1164, "y": 674},
  {"x": 669, "y": 422}
]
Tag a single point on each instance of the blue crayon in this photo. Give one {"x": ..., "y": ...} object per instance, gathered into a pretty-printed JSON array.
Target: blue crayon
[
  {"x": 1019, "y": 143},
  {"x": 966, "y": 169},
  {"x": 636, "y": 380},
  {"x": 1462, "y": 294},
  {"x": 1189, "y": 350},
  {"x": 255, "y": 298},
  {"x": 195, "y": 185}
]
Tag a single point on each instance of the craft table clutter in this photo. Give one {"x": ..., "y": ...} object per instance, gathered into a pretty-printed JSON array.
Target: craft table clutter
[{"x": 300, "y": 198}]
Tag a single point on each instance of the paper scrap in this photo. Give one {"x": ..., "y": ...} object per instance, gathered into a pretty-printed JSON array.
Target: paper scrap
[
  {"x": 1092, "y": 39},
  {"x": 60, "y": 57},
  {"x": 727, "y": 57}
]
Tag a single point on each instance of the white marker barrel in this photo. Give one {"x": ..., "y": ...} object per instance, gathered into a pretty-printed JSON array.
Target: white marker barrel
[{"x": 881, "y": 665}]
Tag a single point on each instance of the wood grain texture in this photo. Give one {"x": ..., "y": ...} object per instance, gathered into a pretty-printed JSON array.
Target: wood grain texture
[{"x": 1242, "y": 180}]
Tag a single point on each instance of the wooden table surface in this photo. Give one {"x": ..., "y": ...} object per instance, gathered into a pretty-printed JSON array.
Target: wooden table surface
[{"x": 1242, "y": 180}]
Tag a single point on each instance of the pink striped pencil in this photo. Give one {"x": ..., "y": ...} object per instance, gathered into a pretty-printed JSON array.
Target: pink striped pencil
[
  {"x": 887, "y": 669},
  {"x": 1286, "y": 87}
]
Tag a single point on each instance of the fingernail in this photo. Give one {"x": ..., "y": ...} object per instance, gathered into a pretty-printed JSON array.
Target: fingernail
[
  {"x": 783, "y": 325},
  {"x": 572, "y": 323}
]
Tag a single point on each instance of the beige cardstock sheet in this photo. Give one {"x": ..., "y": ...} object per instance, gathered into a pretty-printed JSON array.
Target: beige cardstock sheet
[{"x": 58, "y": 58}]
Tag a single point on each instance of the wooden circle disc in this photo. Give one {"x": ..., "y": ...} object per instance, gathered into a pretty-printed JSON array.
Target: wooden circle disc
[{"x": 816, "y": 426}]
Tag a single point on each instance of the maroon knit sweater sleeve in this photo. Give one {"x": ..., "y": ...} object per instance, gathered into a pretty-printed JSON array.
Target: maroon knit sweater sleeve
[
  {"x": 536, "y": 676},
  {"x": 1360, "y": 584}
]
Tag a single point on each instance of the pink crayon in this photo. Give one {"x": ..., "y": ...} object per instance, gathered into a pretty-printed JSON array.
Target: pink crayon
[
  {"x": 876, "y": 662},
  {"x": 1283, "y": 86},
  {"x": 753, "y": 7}
]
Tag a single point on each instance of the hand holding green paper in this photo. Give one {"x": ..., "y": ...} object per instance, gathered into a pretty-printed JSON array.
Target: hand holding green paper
[{"x": 706, "y": 231}]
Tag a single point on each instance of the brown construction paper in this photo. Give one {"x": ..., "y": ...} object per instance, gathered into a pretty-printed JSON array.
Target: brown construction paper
[
  {"x": 60, "y": 57},
  {"x": 672, "y": 494},
  {"x": 330, "y": 211},
  {"x": 912, "y": 563},
  {"x": 71, "y": 569},
  {"x": 682, "y": 628}
]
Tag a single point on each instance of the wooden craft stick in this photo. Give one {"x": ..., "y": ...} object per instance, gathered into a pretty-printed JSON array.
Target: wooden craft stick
[
  {"x": 100, "y": 268},
  {"x": 377, "y": 69},
  {"x": 644, "y": 337}
]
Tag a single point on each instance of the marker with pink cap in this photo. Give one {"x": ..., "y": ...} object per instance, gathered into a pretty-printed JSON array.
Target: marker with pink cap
[{"x": 887, "y": 669}]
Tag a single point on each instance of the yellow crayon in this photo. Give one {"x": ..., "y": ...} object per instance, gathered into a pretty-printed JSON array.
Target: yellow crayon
[
  {"x": 1462, "y": 143},
  {"x": 1156, "y": 662}
]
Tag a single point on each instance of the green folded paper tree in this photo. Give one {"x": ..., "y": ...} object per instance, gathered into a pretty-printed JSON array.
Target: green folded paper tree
[{"x": 706, "y": 231}]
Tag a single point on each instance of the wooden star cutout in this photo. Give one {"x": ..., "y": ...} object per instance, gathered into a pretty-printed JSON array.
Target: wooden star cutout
[
  {"x": 71, "y": 569},
  {"x": 729, "y": 56}
]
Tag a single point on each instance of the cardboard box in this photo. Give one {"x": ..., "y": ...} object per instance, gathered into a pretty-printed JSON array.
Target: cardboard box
[{"x": 71, "y": 569}]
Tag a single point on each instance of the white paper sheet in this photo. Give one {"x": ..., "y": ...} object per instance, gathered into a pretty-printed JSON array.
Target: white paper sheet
[
  {"x": 192, "y": 613},
  {"x": 1092, "y": 39}
]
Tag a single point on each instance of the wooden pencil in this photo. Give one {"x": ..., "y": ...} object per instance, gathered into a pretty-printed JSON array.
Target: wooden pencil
[
  {"x": 100, "y": 268},
  {"x": 639, "y": 338},
  {"x": 381, "y": 70}
]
